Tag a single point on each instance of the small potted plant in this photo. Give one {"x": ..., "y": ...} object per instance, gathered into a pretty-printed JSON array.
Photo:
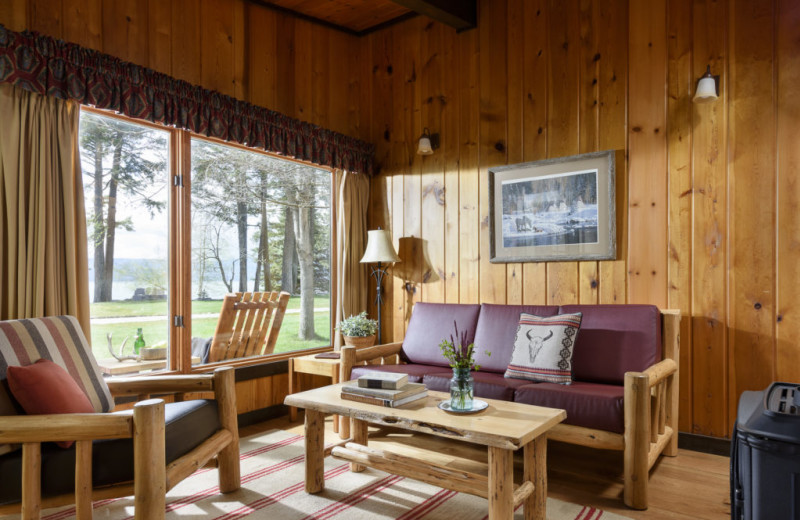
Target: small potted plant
[
  {"x": 459, "y": 351},
  {"x": 358, "y": 331}
]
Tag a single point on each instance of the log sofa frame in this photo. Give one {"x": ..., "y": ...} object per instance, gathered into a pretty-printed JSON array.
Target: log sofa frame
[
  {"x": 145, "y": 424},
  {"x": 650, "y": 409}
]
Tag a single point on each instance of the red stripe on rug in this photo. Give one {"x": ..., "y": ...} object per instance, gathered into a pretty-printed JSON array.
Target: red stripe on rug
[
  {"x": 355, "y": 498},
  {"x": 214, "y": 490},
  {"x": 277, "y": 496},
  {"x": 248, "y": 454},
  {"x": 433, "y": 502}
]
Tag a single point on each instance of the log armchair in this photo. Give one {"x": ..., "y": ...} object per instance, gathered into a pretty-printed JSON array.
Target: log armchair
[
  {"x": 624, "y": 393},
  {"x": 141, "y": 452}
]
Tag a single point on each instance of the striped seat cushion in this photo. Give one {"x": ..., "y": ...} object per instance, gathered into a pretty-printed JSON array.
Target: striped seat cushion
[{"x": 59, "y": 339}]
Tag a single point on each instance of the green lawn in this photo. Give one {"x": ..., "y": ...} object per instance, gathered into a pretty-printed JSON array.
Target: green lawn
[
  {"x": 130, "y": 308},
  {"x": 156, "y": 331}
]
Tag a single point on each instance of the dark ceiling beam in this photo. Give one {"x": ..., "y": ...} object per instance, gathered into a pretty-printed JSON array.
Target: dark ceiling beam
[
  {"x": 460, "y": 14},
  {"x": 301, "y": 16}
]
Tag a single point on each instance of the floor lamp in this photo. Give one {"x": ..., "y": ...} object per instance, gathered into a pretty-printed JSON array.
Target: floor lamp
[{"x": 379, "y": 251}]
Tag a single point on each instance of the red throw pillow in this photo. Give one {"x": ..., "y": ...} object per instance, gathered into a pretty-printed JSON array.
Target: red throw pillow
[{"x": 44, "y": 388}]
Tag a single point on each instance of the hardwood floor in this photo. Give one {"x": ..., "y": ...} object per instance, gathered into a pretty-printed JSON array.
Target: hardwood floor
[{"x": 692, "y": 485}]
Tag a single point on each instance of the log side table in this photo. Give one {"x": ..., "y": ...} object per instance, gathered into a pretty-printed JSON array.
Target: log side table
[{"x": 313, "y": 366}]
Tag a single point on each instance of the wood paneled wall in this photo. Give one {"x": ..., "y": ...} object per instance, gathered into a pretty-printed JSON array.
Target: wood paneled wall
[
  {"x": 708, "y": 199},
  {"x": 255, "y": 54}
]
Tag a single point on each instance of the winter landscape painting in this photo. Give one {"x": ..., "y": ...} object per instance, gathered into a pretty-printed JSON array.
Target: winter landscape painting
[{"x": 558, "y": 209}]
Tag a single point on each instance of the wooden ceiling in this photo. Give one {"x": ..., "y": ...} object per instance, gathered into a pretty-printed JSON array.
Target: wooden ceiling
[{"x": 361, "y": 17}]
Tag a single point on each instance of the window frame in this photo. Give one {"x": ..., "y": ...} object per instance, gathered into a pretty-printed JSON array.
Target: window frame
[{"x": 179, "y": 301}]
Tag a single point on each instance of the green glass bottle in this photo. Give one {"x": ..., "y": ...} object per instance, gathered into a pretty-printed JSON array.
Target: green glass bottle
[{"x": 139, "y": 343}]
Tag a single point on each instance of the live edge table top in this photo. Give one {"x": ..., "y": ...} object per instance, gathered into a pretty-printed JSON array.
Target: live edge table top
[{"x": 503, "y": 424}]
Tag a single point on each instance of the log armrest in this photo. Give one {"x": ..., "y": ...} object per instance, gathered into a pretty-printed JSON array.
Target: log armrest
[
  {"x": 160, "y": 384},
  {"x": 65, "y": 427},
  {"x": 651, "y": 425},
  {"x": 351, "y": 356}
]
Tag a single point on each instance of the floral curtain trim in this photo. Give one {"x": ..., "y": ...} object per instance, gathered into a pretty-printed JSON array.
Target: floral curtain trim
[{"x": 65, "y": 70}]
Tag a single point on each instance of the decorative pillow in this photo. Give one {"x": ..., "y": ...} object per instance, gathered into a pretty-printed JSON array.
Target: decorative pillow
[
  {"x": 543, "y": 348},
  {"x": 44, "y": 388}
]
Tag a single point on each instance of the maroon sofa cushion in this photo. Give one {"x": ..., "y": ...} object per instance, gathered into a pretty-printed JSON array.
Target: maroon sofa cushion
[
  {"x": 615, "y": 339},
  {"x": 487, "y": 384},
  {"x": 590, "y": 405},
  {"x": 431, "y": 323},
  {"x": 497, "y": 327},
  {"x": 415, "y": 372}
]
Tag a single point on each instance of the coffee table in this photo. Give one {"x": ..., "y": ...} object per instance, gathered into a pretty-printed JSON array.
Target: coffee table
[{"x": 503, "y": 428}]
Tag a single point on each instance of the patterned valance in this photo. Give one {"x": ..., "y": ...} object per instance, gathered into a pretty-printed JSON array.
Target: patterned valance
[{"x": 65, "y": 70}]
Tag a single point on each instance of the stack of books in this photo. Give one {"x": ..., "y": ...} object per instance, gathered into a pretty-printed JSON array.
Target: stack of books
[{"x": 383, "y": 389}]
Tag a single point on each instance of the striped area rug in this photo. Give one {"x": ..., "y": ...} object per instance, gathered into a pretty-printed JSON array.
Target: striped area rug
[{"x": 272, "y": 488}]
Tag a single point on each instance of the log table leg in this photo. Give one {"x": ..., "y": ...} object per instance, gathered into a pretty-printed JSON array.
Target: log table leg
[
  {"x": 292, "y": 389},
  {"x": 535, "y": 455},
  {"x": 501, "y": 484},
  {"x": 335, "y": 380},
  {"x": 359, "y": 437},
  {"x": 315, "y": 444}
]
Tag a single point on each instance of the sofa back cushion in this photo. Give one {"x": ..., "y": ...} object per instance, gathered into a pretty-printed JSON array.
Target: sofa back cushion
[
  {"x": 430, "y": 323},
  {"x": 59, "y": 339},
  {"x": 497, "y": 328},
  {"x": 615, "y": 339}
]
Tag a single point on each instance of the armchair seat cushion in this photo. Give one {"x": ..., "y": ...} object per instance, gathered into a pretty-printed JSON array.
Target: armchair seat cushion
[
  {"x": 188, "y": 424},
  {"x": 590, "y": 405},
  {"x": 415, "y": 371},
  {"x": 489, "y": 385}
]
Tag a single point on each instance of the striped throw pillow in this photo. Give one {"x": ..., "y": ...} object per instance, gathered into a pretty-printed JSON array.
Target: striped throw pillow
[
  {"x": 543, "y": 348},
  {"x": 59, "y": 339}
]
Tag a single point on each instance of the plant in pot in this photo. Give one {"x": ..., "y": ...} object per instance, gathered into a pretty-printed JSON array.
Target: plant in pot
[
  {"x": 358, "y": 331},
  {"x": 459, "y": 351}
]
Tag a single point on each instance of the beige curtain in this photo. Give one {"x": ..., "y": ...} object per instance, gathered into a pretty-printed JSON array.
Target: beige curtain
[
  {"x": 352, "y": 192},
  {"x": 43, "y": 258}
]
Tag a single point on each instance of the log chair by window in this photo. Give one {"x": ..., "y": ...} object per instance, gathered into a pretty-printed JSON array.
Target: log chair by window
[{"x": 144, "y": 453}]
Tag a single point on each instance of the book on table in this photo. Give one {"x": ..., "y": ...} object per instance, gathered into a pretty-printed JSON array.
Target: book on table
[
  {"x": 385, "y": 380},
  {"x": 351, "y": 387},
  {"x": 378, "y": 401}
]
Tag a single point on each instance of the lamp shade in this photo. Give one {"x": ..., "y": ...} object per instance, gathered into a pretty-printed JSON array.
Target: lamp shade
[
  {"x": 706, "y": 89},
  {"x": 379, "y": 248},
  {"x": 424, "y": 147}
]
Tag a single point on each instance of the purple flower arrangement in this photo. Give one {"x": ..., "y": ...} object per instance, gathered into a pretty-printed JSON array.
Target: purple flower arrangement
[{"x": 460, "y": 349}]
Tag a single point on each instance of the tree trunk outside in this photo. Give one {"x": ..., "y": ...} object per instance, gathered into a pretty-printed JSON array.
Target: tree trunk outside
[
  {"x": 241, "y": 225},
  {"x": 111, "y": 222},
  {"x": 288, "y": 275},
  {"x": 305, "y": 254},
  {"x": 263, "y": 253},
  {"x": 98, "y": 233}
]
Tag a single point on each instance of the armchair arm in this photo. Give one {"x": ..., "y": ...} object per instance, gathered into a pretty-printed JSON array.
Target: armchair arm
[
  {"x": 661, "y": 371},
  {"x": 161, "y": 384},
  {"x": 65, "y": 427},
  {"x": 351, "y": 356}
]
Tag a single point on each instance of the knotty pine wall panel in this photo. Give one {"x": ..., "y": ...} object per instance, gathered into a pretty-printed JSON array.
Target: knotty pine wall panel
[
  {"x": 707, "y": 195},
  {"x": 255, "y": 54}
]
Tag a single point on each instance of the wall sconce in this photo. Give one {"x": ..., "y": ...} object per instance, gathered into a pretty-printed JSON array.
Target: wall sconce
[
  {"x": 707, "y": 90},
  {"x": 427, "y": 143}
]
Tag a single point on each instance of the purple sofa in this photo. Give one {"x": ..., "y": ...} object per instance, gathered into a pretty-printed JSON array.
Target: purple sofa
[{"x": 621, "y": 351}]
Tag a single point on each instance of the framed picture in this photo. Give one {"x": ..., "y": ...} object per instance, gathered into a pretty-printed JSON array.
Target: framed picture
[{"x": 556, "y": 209}]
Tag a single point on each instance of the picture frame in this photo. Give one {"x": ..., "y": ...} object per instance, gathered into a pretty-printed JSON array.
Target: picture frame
[{"x": 560, "y": 209}]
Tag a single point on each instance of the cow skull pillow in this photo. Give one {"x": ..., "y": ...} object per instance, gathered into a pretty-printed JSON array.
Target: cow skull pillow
[{"x": 543, "y": 348}]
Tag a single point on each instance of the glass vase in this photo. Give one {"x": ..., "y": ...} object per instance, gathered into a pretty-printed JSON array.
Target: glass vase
[{"x": 461, "y": 389}]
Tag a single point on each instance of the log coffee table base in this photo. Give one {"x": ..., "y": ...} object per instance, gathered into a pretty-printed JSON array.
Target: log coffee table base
[{"x": 498, "y": 487}]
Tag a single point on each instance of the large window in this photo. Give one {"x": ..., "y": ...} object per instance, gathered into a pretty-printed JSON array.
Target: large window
[
  {"x": 257, "y": 224},
  {"x": 261, "y": 224}
]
